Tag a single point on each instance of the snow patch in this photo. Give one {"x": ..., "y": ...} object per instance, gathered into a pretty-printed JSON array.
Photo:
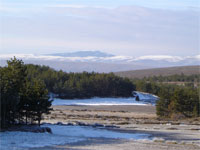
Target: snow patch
[
  {"x": 98, "y": 101},
  {"x": 61, "y": 135}
]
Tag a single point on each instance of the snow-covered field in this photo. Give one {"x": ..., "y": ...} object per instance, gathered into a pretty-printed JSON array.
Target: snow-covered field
[
  {"x": 145, "y": 99},
  {"x": 61, "y": 135},
  {"x": 98, "y": 101}
]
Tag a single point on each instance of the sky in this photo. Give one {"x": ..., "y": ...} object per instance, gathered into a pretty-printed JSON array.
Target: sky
[{"x": 121, "y": 27}]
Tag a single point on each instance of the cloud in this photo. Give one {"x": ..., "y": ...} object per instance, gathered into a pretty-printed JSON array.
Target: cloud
[
  {"x": 111, "y": 59},
  {"x": 161, "y": 57},
  {"x": 67, "y": 6},
  {"x": 125, "y": 30}
]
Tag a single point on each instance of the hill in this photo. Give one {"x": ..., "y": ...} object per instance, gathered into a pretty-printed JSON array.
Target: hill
[{"x": 187, "y": 70}]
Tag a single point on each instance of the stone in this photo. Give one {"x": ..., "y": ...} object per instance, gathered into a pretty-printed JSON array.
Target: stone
[
  {"x": 97, "y": 125},
  {"x": 59, "y": 123}
]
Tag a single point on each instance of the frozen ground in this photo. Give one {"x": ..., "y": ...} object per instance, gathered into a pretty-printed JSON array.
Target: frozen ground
[
  {"x": 98, "y": 101},
  {"x": 145, "y": 98},
  {"x": 61, "y": 135}
]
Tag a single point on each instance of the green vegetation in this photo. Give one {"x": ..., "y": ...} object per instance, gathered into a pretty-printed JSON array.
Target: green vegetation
[
  {"x": 81, "y": 85},
  {"x": 25, "y": 89},
  {"x": 182, "y": 102},
  {"x": 22, "y": 99},
  {"x": 176, "y": 100}
]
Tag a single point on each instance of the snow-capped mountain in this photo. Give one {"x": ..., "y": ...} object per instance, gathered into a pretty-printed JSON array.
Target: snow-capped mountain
[
  {"x": 102, "y": 62},
  {"x": 83, "y": 54}
]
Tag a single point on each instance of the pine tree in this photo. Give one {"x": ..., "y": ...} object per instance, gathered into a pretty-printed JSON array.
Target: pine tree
[
  {"x": 12, "y": 79},
  {"x": 39, "y": 102}
]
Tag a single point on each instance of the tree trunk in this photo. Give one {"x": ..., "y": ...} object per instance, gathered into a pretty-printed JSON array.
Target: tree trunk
[
  {"x": 39, "y": 119},
  {"x": 39, "y": 122},
  {"x": 26, "y": 117}
]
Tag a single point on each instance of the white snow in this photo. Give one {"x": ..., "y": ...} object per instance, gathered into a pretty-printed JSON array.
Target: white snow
[
  {"x": 99, "y": 101},
  {"x": 61, "y": 135},
  {"x": 146, "y": 96},
  {"x": 145, "y": 99}
]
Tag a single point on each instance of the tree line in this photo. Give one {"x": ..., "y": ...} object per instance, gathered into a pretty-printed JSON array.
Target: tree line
[
  {"x": 81, "y": 85},
  {"x": 174, "y": 78},
  {"x": 174, "y": 100},
  {"x": 22, "y": 99}
]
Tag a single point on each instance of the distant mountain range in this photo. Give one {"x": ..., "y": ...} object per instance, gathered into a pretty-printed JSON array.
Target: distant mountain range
[
  {"x": 102, "y": 62},
  {"x": 83, "y": 54}
]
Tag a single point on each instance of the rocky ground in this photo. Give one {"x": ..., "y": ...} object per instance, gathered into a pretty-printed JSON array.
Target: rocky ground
[{"x": 166, "y": 134}]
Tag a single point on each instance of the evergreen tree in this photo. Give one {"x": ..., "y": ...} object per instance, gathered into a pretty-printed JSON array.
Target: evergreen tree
[
  {"x": 39, "y": 102},
  {"x": 22, "y": 97},
  {"x": 12, "y": 80}
]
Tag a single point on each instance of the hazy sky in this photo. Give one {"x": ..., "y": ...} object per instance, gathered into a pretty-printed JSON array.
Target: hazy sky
[{"x": 122, "y": 27}]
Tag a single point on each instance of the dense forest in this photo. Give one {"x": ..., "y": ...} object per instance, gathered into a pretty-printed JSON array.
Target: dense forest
[
  {"x": 22, "y": 99},
  {"x": 81, "y": 85}
]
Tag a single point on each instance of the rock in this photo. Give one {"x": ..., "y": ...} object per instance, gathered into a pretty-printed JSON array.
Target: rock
[
  {"x": 70, "y": 124},
  {"x": 97, "y": 125},
  {"x": 44, "y": 123},
  {"x": 111, "y": 126},
  {"x": 59, "y": 123},
  {"x": 81, "y": 123},
  {"x": 137, "y": 98},
  {"x": 31, "y": 128},
  {"x": 48, "y": 130}
]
